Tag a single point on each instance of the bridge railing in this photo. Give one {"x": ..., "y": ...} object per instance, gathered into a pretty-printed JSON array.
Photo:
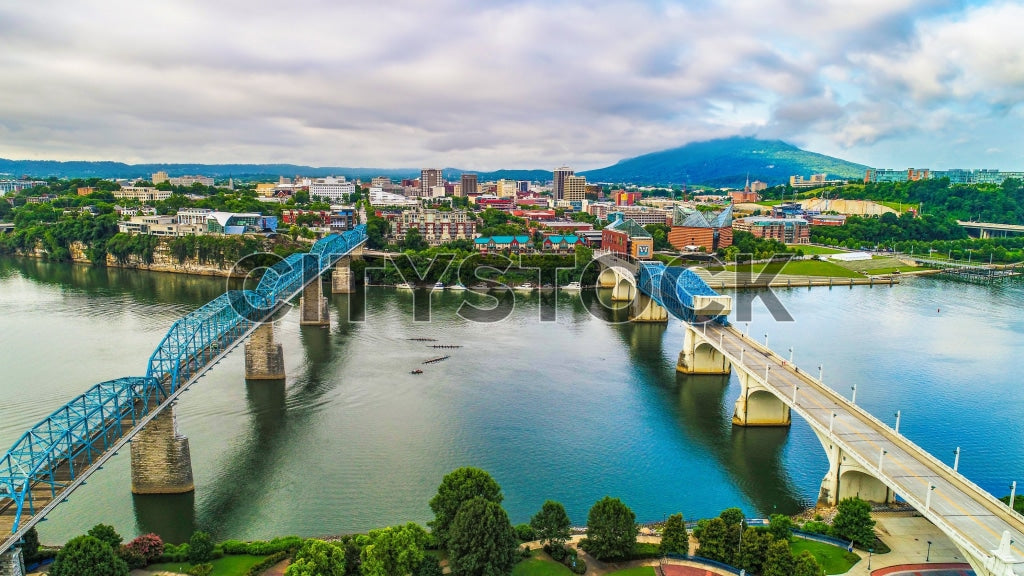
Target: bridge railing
[
  {"x": 60, "y": 448},
  {"x": 68, "y": 439},
  {"x": 889, "y": 434}
]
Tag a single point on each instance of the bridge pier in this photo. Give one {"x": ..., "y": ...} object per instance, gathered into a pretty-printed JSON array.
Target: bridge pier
[
  {"x": 341, "y": 277},
  {"x": 698, "y": 356},
  {"x": 264, "y": 358},
  {"x": 161, "y": 462},
  {"x": 645, "y": 309},
  {"x": 313, "y": 305},
  {"x": 758, "y": 406},
  {"x": 12, "y": 563},
  {"x": 846, "y": 478}
]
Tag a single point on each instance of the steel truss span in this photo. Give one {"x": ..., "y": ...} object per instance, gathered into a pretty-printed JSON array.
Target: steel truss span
[{"x": 55, "y": 456}]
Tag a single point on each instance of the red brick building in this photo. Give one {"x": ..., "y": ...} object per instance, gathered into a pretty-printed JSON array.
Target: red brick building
[{"x": 692, "y": 230}]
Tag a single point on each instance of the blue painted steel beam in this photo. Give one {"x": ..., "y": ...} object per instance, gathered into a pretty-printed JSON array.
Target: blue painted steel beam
[
  {"x": 673, "y": 288},
  {"x": 54, "y": 452}
]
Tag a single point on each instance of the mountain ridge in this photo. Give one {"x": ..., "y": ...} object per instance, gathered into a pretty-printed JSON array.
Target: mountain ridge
[{"x": 721, "y": 162}]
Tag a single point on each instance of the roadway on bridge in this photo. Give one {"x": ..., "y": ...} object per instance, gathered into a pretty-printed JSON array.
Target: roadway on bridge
[{"x": 973, "y": 514}]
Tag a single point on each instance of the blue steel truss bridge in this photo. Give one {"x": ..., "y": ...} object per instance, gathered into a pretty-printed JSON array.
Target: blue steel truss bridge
[{"x": 56, "y": 455}]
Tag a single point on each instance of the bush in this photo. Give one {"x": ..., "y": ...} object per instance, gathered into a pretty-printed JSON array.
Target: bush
[
  {"x": 201, "y": 570},
  {"x": 557, "y": 552},
  {"x": 174, "y": 553},
  {"x": 644, "y": 550},
  {"x": 816, "y": 527},
  {"x": 148, "y": 546},
  {"x": 200, "y": 548},
  {"x": 132, "y": 558},
  {"x": 263, "y": 565},
  {"x": 525, "y": 533},
  {"x": 525, "y": 552},
  {"x": 574, "y": 563},
  {"x": 88, "y": 556},
  {"x": 106, "y": 533}
]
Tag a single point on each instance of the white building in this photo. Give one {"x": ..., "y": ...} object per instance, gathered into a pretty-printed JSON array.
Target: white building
[
  {"x": 142, "y": 193},
  {"x": 379, "y": 197},
  {"x": 194, "y": 216},
  {"x": 331, "y": 189}
]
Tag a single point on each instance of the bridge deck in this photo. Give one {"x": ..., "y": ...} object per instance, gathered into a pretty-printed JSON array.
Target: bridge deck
[{"x": 972, "y": 516}]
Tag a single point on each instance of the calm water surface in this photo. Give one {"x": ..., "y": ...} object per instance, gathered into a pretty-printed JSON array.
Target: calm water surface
[{"x": 572, "y": 409}]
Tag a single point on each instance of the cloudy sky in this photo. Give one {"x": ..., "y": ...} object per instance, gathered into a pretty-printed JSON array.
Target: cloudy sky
[{"x": 501, "y": 83}]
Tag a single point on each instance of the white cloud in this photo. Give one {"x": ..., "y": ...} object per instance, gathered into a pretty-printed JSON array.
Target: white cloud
[{"x": 482, "y": 86}]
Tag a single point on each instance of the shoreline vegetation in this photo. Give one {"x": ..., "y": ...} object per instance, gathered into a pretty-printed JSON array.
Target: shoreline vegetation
[{"x": 471, "y": 534}]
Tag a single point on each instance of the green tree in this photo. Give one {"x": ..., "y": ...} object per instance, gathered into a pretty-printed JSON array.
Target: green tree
[
  {"x": 318, "y": 558},
  {"x": 458, "y": 487},
  {"x": 611, "y": 529},
  {"x": 481, "y": 540},
  {"x": 30, "y": 541},
  {"x": 105, "y": 533},
  {"x": 200, "y": 547},
  {"x": 780, "y": 526},
  {"x": 429, "y": 567},
  {"x": 674, "y": 539},
  {"x": 551, "y": 523},
  {"x": 853, "y": 522},
  {"x": 807, "y": 565},
  {"x": 779, "y": 561},
  {"x": 731, "y": 516},
  {"x": 393, "y": 551},
  {"x": 88, "y": 556},
  {"x": 713, "y": 538},
  {"x": 414, "y": 240},
  {"x": 754, "y": 550}
]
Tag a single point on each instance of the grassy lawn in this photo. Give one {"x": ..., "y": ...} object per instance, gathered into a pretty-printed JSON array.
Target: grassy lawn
[
  {"x": 234, "y": 565},
  {"x": 805, "y": 268},
  {"x": 896, "y": 205},
  {"x": 891, "y": 269},
  {"x": 638, "y": 571},
  {"x": 808, "y": 249},
  {"x": 833, "y": 559},
  {"x": 541, "y": 565}
]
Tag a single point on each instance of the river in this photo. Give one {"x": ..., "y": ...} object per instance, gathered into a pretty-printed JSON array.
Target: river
[{"x": 557, "y": 401}]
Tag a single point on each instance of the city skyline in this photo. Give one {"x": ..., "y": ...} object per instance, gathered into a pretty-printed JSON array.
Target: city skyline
[{"x": 512, "y": 85}]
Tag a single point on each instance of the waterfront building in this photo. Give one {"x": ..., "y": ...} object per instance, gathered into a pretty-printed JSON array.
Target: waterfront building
[
  {"x": 561, "y": 244},
  {"x": 193, "y": 216},
  {"x": 515, "y": 244},
  {"x": 625, "y": 236},
  {"x": 558, "y": 181},
  {"x": 693, "y": 230},
  {"x": 436, "y": 227},
  {"x": 239, "y": 223},
  {"x": 786, "y": 230}
]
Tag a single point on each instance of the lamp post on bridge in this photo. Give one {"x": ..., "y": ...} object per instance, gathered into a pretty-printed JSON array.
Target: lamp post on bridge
[
  {"x": 795, "y": 390},
  {"x": 881, "y": 458},
  {"x": 742, "y": 350},
  {"x": 1013, "y": 493},
  {"x": 766, "y": 340},
  {"x": 897, "y": 421},
  {"x": 791, "y": 355},
  {"x": 766, "y": 369},
  {"x": 956, "y": 458},
  {"x": 831, "y": 423},
  {"x": 928, "y": 497},
  {"x": 820, "y": 381},
  {"x": 747, "y": 335},
  {"x": 853, "y": 398}
]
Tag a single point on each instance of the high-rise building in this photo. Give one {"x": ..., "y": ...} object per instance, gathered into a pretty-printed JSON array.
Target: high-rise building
[
  {"x": 468, "y": 185},
  {"x": 430, "y": 177},
  {"x": 558, "y": 181},
  {"x": 574, "y": 188},
  {"x": 506, "y": 188}
]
